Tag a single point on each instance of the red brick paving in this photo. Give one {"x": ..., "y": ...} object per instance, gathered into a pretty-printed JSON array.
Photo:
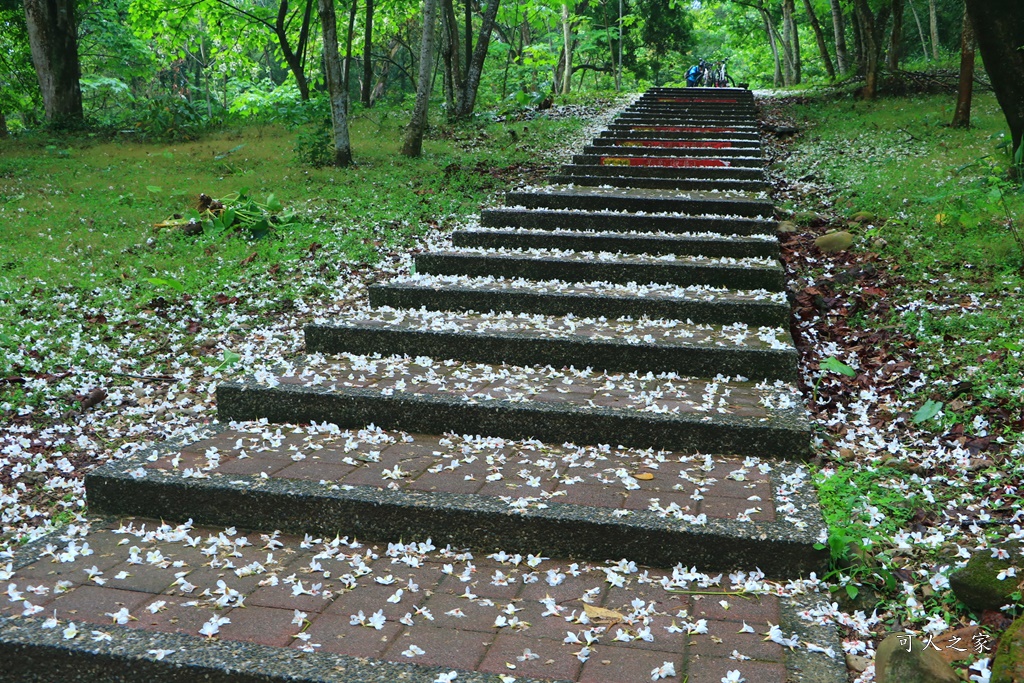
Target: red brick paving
[{"x": 426, "y": 615}]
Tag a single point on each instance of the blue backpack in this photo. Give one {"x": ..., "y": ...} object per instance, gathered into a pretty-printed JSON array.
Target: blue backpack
[{"x": 693, "y": 73}]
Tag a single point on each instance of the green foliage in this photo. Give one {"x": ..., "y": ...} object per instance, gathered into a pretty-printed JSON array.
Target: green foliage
[
  {"x": 314, "y": 145},
  {"x": 170, "y": 118},
  {"x": 927, "y": 411}
]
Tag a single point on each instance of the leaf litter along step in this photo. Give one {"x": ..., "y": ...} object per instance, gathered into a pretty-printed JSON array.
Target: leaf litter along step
[
  {"x": 658, "y": 507},
  {"x": 568, "y": 266},
  {"x": 695, "y": 169},
  {"x": 657, "y": 243},
  {"x": 617, "y": 344},
  {"x": 139, "y": 599},
  {"x": 701, "y": 304},
  {"x": 636, "y": 200},
  {"x": 577, "y": 219},
  {"x": 429, "y": 395}
]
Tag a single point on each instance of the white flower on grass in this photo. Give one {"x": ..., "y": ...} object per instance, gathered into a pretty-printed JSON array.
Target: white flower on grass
[
  {"x": 160, "y": 653},
  {"x": 984, "y": 674},
  {"x": 666, "y": 670},
  {"x": 412, "y": 651},
  {"x": 733, "y": 676}
]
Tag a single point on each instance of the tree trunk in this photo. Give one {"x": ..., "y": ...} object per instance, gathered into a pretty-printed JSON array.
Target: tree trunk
[
  {"x": 451, "y": 55},
  {"x": 469, "y": 35},
  {"x": 965, "y": 89},
  {"x": 920, "y": 29},
  {"x": 467, "y": 97},
  {"x": 769, "y": 30},
  {"x": 819, "y": 36},
  {"x": 3, "y": 126},
  {"x": 53, "y": 40},
  {"x": 412, "y": 146},
  {"x": 567, "y": 50},
  {"x": 335, "y": 83},
  {"x": 858, "y": 45},
  {"x": 896, "y": 37},
  {"x": 347, "y": 71},
  {"x": 1000, "y": 35},
  {"x": 934, "y": 19},
  {"x": 871, "y": 31},
  {"x": 839, "y": 30},
  {"x": 367, "y": 89},
  {"x": 788, "y": 7},
  {"x": 293, "y": 57},
  {"x": 618, "y": 71}
]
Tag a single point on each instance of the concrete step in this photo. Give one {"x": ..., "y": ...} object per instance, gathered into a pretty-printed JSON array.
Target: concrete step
[
  {"x": 693, "y": 120},
  {"x": 561, "y": 341},
  {"x": 481, "y": 492},
  {"x": 700, "y": 304},
  {"x": 747, "y": 146},
  {"x": 748, "y": 112},
  {"x": 630, "y": 180},
  {"x": 544, "y": 219},
  {"x": 708, "y": 160},
  {"x": 693, "y": 149},
  {"x": 723, "y": 131},
  {"x": 589, "y": 266},
  {"x": 680, "y": 133},
  {"x": 650, "y": 201},
  {"x": 437, "y": 396},
  {"x": 285, "y": 604},
  {"x": 686, "y": 244},
  {"x": 702, "y": 169}
]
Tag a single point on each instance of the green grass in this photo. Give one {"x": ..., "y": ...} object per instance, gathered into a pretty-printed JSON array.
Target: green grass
[
  {"x": 77, "y": 219},
  {"x": 944, "y": 205}
]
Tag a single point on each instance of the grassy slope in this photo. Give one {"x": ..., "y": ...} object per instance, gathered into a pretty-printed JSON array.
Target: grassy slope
[{"x": 926, "y": 306}]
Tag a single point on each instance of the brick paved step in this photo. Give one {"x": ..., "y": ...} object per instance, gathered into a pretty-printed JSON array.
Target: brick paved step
[
  {"x": 547, "y": 219},
  {"x": 700, "y": 149},
  {"x": 397, "y": 392},
  {"x": 682, "y": 120},
  {"x": 746, "y": 113},
  {"x": 645, "y": 132},
  {"x": 702, "y": 305},
  {"x": 660, "y": 126},
  {"x": 570, "y": 266},
  {"x": 651, "y": 201},
  {"x": 521, "y": 339},
  {"x": 701, "y": 169},
  {"x": 627, "y": 179},
  {"x": 486, "y": 493},
  {"x": 693, "y": 244},
  {"x": 261, "y": 637},
  {"x": 739, "y": 166},
  {"x": 653, "y": 143}
]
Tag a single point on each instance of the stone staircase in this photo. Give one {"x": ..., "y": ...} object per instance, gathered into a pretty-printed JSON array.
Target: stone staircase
[{"x": 601, "y": 370}]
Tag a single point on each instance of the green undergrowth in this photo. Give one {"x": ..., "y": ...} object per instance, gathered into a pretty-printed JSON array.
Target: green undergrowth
[
  {"x": 78, "y": 215},
  {"x": 948, "y": 214}
]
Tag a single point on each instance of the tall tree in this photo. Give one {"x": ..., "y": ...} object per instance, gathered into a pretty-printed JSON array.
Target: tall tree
[
  {"x": 53, "y": 38},
  {"x": 819, "y": 36},
  {"x": 467, "y": 96},
  {"x": 367, "y": 88},
  {"x": 839, "y": 30},
  {"x": 412, "y": 146},
  {"x": 872, "y": 29},
  {"x": 451, "y": 56},
  {"x": 791, "y": 42},
  {"x": 933, "y": 16},
  {"x": 896, "y": 36},
  {"x": 335, "y": 83},
  {"x": 1000, "y": 41},
  {"x": 920, "y": 30},
  {"x": 965, "y": 88}
]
